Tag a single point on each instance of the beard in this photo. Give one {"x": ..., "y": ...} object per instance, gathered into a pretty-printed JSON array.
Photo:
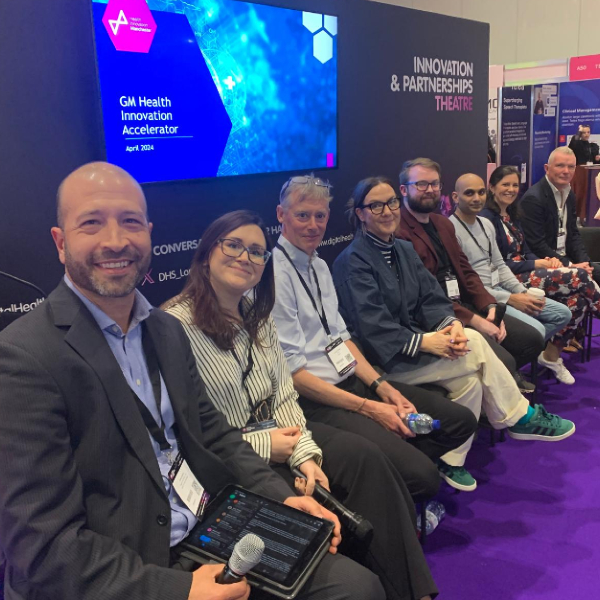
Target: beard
[
  {"x": 425, "y": 204},
  {"x": 89, "y": 277}
]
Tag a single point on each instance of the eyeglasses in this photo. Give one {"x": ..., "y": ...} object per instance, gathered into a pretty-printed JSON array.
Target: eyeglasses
[
  {"x": 378, "y": 207},
  {"x": 422, "y": 186},
  {"x": 234, "y": 249},
  {"x": 302, "y": 180}
]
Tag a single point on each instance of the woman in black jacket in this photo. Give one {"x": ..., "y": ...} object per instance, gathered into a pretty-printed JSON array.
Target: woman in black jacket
[{"x": 571, "y": 286}]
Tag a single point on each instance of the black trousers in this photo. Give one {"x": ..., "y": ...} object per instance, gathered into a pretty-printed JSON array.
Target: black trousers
[
  {"x": 336, "y": 578},
  {"x": 366, "y": 481},
  {"x": 413, "y": 459},
  {"x": 522, "y": 344}
]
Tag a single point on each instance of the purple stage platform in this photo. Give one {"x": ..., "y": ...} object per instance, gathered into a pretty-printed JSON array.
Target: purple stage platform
[{"x": 531, "y": 530}]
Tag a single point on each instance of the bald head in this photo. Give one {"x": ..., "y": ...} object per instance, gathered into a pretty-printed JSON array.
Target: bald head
[
  {"x": 468, "y": 180},
  {"x": 469, "y": 195},
  {"x": 95, "y": 180},
  {"x": 103, "y": 238}
]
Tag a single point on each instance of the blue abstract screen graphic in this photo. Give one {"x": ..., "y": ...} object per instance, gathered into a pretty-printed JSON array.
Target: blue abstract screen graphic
[{"x": 226, "y": 88}]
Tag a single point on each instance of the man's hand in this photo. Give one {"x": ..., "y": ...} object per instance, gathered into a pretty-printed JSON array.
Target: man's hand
[
  {"x": 387, "y": 415},
  {"x": 526, "y": 303},
  {"x": 205, "y": 587},
  {"x": 313, "y": 473},
  {"x": 283, "y": 442},
  {"x": 487, "y": 326},
  {"x": 585, "y": 266},
  {"x": 312, "y": 507},
  {"x": 438, "y": 343}
]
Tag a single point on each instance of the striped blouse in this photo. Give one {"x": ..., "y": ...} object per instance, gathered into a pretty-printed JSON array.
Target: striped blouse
[{"x": 269, "y": 377}]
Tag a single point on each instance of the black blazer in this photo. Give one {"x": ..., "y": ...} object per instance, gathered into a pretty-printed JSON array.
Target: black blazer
[
  {"x": 540, "y": 224},
  {"x": 83, "y": 509}
]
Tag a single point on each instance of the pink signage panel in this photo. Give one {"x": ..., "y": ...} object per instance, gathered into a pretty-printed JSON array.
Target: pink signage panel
[{"x": 584, "y": 67}]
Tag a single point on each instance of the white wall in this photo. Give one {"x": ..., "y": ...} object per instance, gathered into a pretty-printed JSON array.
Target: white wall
[{"x": 527, "y": 30}]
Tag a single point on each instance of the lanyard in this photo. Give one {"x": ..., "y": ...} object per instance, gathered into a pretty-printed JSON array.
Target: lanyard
[
  {"x": 561, "y": 214},
  {"x": 156, "y": 430},
  {"x": 245, "y": 373},
  {"x": 489, "y": 252},
  {"x": 323, "y": 316}
]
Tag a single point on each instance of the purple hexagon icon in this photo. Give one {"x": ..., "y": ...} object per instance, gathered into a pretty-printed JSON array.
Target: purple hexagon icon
[{"x": 130, "y": 25}]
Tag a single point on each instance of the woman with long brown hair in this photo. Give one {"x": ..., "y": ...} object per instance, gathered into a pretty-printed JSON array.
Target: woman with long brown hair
[{"x": 225, "y": 311}]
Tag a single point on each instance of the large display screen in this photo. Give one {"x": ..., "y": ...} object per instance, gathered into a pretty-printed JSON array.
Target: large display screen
[{"x": 205, "y": 88}]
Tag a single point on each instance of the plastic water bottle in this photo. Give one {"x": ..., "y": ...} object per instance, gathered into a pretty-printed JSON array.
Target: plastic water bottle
[
  {"x": 434, "y": 513},
  {"x": 421, "y": 423}
]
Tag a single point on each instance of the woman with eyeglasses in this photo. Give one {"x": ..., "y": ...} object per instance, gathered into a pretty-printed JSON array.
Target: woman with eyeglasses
[
  {"x": 571, "y": 286},
  {"x": 406, "y": 324},
  {"x": 225, "y": 310}
]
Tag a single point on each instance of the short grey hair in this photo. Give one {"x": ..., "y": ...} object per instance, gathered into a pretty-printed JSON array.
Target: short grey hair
[
  {"x": 312, "y": 187},
  {"x": 560, "y": 150}
]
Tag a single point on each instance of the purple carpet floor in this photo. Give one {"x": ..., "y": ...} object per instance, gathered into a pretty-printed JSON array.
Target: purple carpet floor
[{"x": 532, "y": 527}]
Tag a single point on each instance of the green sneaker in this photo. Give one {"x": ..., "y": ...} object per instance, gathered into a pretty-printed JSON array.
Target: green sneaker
[
  {"x": 543, "y": 426},
  {"x": 457, "y": 477}
]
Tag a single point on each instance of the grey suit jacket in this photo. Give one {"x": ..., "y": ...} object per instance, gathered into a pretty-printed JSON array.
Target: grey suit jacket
[{"x": 83, "y": 509}]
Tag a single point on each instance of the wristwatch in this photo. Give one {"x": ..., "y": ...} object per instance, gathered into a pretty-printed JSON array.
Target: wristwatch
[{"x": 373, "y": 387}]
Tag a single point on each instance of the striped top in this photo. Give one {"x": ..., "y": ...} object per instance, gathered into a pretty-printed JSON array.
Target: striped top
[
  {"x": 270, "y": 376},
  {"x": 384, "y": 247}
]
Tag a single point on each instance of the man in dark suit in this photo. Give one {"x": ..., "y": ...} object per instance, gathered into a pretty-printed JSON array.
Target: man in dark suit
[
  {"x": 99, "y": 393},
  {"x": 432, "y": 236},
  {"x": 549, "y": 217}
]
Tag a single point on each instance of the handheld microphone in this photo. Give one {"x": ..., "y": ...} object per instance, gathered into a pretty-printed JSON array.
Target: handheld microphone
[
  {"x": 356, "y": 524},
  {"x": 245, "y": 556},
  {"x": 500, "y": 310}
]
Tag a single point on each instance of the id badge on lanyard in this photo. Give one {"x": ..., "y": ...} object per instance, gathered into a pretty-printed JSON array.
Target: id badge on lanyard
[
  {"x": 268, "y": 425},
  {"x": 340, "y": 356},
  {"x": 495, "y": 276},
  {"x": 452, "y": 290},
  {"x": 561, "y": 241},
  {"x": 187, "y": 486}
]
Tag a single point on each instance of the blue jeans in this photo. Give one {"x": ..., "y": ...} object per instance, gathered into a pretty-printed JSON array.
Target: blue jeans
[{"x": 554, "y": 317}]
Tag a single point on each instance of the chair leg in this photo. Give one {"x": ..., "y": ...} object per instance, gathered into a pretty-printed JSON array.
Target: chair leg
[
  {"x": 589, "y": 340},
  {"x": 423, "y": 522},
  {"x": 502, "y": 435},
  {"x": 534, "y": 379},
  {"x": 492, "y": 438}
]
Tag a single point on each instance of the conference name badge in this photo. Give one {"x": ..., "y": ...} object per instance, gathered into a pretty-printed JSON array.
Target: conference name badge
[
  {"x": 452, "y": 290},
  {"x": 561, "y": 242},
  {"x": 268, "y": 425},
  {"x": 340, "y": 356},
  {"x": 188, "y": 488},
  {"x": 495, "y": 277}
]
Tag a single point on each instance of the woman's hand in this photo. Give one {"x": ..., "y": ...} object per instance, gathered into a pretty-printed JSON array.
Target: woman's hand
[
  {"x": 313, "y": 473},
  {"x": 283, "y": 442},
  {"x": 438, "y": 343}
]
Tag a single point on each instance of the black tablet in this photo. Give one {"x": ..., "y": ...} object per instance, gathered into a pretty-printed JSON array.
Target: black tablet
[{"x": 295, "y": 541}]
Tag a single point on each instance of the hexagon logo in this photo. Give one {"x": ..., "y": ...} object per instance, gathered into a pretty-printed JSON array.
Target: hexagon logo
[
  {"x": 312, "y": 21},
  {"x": 323, "y": 46},
  {"x": 330, "y": 24},
  {"x": 130, "y": 25}
]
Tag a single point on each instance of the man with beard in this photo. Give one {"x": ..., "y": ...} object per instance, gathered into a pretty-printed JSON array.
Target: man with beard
[
  {"x": 100, "y": 401},
  {"x": 434, "y": 239}
]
